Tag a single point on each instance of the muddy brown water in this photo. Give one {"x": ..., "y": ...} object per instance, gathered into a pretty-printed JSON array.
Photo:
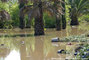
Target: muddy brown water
[{"x": 39, "y": 47}]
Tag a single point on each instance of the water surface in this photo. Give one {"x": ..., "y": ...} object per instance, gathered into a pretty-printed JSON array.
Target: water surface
[{"x": 39, "y": 47}]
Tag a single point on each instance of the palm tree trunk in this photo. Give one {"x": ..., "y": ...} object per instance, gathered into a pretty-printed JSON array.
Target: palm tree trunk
[
  {"x": 4, "y": 0},
  {"x": 58, "y": 17},
  {"x": 28, "y": 25},
  {"x": 4, "y": 17},
  {"x": 63, "y": 17},
  {"x": 39, "y": 24},
  {"x": 22, "y": 22},
  {"x": 74, "y": 20},
  {"x": 22, "y": 3},
  {"x": 58, "y": 23}
]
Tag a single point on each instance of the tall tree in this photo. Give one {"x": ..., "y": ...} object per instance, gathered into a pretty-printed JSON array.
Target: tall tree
[
  {"x": 4, "y": 0},
  {"x": 78, "y": 7},
  {"x": 21, "y": 4},
  {"x": 58, "y": 23},
  {"x": 36, "y": 11},
  {"x": 63, "y": 16},
  {"x": 58, "y": 12},
  {"x": 58, "y": 16},
  {"x": 39, "y": 24}
]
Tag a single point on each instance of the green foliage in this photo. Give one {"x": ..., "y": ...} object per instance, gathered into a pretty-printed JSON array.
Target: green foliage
[
  {"x": 83, "y": 53},
  {"x": 4, "y": 6},
  {"x": 13, "y": 9},
  {"x": 78, "y": 7},
  {"x": 84, "y": 18},
  {"x": 49, "y": 21},
  {"x": 81, "y": 38},
  {"x": 14, "y": 12},
  {"x": 8, "y": 24},
  {"x": 26, "y": 19},
  {"x": 67, "y": 12}
]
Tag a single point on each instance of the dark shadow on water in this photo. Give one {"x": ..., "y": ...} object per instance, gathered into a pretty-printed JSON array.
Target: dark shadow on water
[{"x": 17, "y": 35}]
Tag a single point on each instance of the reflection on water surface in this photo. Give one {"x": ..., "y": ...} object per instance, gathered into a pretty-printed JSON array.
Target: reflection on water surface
[
  {"x": 39, "y": 47},
  {"x": 14, "y": 55}
]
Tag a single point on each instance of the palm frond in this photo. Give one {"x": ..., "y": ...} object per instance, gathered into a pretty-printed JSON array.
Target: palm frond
[
  {"x": 78, "y": 6},
  {"x": 30, "y": 10}
]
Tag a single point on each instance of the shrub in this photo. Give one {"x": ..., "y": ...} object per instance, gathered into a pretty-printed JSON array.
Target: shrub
[{"x": 49, "y": 21}]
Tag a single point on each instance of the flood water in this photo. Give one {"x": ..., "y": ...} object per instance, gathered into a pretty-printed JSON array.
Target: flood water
[{"x": 39, "y": 47}]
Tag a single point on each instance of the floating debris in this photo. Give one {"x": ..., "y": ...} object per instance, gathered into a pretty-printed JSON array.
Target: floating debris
[
  {"x": 69, "y": 43},
  {"x": 75, "y": 53},
  {"x": 55, "y": 39},
  {"x": 83, "y": 56},
  {"x": 78, "y": 48},
  {"x": 87, "y": 35},
  {"x": 87, "y": 49},
  {"x": 22, "y": 42},
  {"x": 61, "y": 51},
  {"x": 2, "y": 44}
]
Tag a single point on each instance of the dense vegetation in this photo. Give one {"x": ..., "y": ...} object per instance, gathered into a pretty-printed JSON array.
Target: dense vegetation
[{"x": 40, "y": 14}]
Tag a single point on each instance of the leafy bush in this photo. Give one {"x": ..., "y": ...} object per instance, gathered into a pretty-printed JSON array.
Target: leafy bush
[
  {"x": 4, "y": 6},
  {"x": 14, "y": 12},
  {"x": 84, "y": 18},
  {"x": 49, "y": 21},
  {"x": 13, "y": 9},
  {"x": 8, "y": 24}
]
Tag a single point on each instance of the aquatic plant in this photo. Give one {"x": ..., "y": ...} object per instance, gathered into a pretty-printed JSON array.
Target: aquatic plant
[
  {"x": 83, "y": 53},
  {"x": 81, "y": 38}
]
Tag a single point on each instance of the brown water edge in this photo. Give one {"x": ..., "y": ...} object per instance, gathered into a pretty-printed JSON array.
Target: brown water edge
[{"x": 39, "y": 47}]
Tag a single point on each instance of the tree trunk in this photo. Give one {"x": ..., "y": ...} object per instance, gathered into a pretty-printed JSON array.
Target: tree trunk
[
  {"x": 22, "y": 22},
  {"x": 58, "y": 23},
  {"x": 63, "y": 17},
  {"x": 39, "y": 24},
  {"x": 4, "y": 0},
  {"x": 4, "y": 17},
  {"x": 28, "y": 25},
  {"x": 74, "y": 20},
  {"x": 21, "y": 4},
  {"x": 63, "y": 22}
]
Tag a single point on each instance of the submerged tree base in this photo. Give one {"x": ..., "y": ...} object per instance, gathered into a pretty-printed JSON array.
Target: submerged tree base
[{"x": 74, "y": 22}]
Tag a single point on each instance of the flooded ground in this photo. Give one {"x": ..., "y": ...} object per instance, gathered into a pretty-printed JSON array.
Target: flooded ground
[{"x": 39, "y": 47}]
